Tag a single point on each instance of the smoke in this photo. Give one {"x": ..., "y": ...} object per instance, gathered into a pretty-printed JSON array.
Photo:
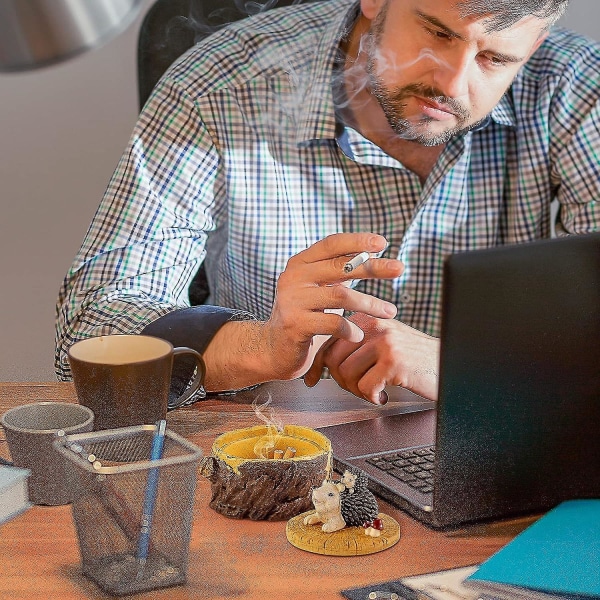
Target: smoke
[
  {"x": 266, "y": 414},
  {"x": 204, "y": 23},
  {"x": 365, "y": 80},
  {"x": 355, "y": 84},
  {"x": 360, "y": 72}
]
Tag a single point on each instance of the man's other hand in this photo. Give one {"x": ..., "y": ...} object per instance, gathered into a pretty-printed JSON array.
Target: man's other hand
[{"x": 390, "y": 353}]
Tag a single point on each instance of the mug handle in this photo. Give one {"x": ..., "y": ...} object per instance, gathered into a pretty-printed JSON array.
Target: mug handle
[{"x": 198, "y": 380}]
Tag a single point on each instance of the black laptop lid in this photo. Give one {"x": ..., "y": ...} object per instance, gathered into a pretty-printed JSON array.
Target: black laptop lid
[{"x": 519, "y": 405}]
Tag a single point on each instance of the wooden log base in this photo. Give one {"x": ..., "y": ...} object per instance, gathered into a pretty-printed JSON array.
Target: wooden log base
[{"x": 350, "y": 541}]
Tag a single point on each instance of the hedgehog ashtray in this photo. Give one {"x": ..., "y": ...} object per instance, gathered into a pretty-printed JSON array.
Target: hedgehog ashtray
[{"x": 346, "y": 520}]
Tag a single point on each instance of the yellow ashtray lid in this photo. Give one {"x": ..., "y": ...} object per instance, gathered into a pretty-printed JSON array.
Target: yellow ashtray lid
[{"x": 241, "y": 445}]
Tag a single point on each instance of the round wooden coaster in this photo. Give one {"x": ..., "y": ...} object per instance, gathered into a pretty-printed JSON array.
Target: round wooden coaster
[{"x": 350, "y": 541}]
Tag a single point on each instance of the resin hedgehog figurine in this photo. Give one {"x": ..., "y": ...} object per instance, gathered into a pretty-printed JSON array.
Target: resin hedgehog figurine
[{"x": 358, "y": 504}]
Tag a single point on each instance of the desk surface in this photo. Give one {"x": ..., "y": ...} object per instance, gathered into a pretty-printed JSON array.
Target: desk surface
[{"x": 39, "y": 554}]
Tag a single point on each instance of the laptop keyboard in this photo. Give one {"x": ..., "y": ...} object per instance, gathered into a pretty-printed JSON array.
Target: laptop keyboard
[{"x": 414, "y": 467}]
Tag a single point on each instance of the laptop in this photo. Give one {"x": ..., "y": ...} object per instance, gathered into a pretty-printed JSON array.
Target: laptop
[{"x": 516, "y": 428}]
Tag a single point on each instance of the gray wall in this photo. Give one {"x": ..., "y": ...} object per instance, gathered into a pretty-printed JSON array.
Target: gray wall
[
  {"x": 62, "y": 131},
  {"x": 583, "y": 16}
]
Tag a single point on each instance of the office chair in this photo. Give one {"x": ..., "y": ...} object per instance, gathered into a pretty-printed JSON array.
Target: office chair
[{"x": 169, "y": 29}]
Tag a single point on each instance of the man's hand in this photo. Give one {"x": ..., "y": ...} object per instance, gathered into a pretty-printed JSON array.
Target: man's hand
[
  {"x": 391, "y": 353},
  {"x": 311, "y": 295}
]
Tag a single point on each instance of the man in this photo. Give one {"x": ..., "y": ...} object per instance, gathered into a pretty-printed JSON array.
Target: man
[{"x": 274, "y": 148}]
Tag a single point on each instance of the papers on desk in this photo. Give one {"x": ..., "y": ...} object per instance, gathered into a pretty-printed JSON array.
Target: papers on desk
[
  {"x": 445, "y": 585},
  {"x": 13, "y": 492}
]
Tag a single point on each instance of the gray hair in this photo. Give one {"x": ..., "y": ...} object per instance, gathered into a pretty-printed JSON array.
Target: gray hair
[{"x": 505, "y": 13}]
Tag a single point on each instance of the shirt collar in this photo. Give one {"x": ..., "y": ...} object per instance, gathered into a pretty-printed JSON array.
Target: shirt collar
[{"x": 504, "y": 112}]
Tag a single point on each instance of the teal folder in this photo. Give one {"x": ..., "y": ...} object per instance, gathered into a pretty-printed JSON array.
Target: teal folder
[{"x": 559, "y": 553}]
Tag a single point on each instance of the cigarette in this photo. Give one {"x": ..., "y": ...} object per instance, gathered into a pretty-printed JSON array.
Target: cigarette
[
  {"x": 277, "y": 454},
  {"x": 355, "y": 262},
  {"x": 289, "y": 452}
]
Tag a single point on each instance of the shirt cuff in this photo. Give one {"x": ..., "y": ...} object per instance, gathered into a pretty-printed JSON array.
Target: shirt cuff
[{"x": 194, "y": 328}]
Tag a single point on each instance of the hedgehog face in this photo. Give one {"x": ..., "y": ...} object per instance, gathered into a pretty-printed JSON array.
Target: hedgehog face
[
  {"x": 348, "y": 479},
  {"x": 326, "y": 497}
]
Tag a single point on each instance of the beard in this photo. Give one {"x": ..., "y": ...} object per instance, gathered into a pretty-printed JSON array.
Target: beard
[
  {"x": 393, "y": 102},
  {"x": 393, "y": 105}
]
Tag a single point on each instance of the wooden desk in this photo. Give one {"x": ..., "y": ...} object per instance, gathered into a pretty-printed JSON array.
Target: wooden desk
[{"x": 39, "y": 554}]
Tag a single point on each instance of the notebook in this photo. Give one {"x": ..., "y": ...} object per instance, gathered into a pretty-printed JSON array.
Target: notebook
[{"x": 515, "y": 428}]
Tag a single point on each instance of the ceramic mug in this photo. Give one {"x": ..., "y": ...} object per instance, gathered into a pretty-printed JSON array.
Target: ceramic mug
[
  {"x": 125, "y": 378},
  {"x": 30, "y": 430}
]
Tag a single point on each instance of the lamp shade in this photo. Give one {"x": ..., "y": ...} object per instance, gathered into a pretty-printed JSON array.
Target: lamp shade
[{"x": 35, "y": 33}]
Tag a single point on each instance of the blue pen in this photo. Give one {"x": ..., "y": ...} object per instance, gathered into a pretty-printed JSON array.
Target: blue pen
[{"x": 150, "y": 493}]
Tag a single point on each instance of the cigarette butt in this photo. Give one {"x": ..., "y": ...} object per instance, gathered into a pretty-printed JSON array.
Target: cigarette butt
[
  {"x": 262, "y": 450},
  {"x": 289, "y": 452},
  {"x": 277, "y": 454}
]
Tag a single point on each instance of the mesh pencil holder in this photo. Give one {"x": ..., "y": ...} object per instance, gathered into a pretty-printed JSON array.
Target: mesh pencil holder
[{"x": 113, "y": 472}]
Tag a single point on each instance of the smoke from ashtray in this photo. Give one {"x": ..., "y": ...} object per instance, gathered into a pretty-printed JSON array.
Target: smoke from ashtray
[{"x": 266, "y": 444}]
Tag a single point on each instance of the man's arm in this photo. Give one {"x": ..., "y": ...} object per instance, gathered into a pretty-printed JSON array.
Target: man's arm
[
  {"x": 147, "y": 238},
  {"x": 240, "y": 351}
]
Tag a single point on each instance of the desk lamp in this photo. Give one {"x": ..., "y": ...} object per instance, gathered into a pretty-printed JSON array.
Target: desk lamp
[{"x": 36, "y": 33}]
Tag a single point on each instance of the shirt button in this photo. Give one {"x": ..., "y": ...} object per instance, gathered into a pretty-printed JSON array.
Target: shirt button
[{"x": 405, "y": 298}]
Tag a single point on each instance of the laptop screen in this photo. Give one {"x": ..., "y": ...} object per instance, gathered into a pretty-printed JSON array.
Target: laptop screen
[{"x": 519, "y": 401}]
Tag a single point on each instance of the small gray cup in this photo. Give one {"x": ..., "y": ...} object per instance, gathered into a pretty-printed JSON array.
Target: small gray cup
[{"x": 30, "y": 431}]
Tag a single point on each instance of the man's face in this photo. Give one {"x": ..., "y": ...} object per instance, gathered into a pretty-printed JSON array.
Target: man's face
[{"x": 435, "y": 74}]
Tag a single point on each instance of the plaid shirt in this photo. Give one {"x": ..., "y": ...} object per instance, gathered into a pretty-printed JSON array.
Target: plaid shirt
[{"x": 238, "y": 159}]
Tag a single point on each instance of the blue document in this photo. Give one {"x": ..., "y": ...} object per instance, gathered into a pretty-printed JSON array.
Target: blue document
[{"x": 559, "y": 553}]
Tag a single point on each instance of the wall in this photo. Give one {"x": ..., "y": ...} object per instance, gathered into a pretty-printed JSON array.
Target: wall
[
  {"x": 62, "y": 131},
  {"x": 583, "y": 16}
]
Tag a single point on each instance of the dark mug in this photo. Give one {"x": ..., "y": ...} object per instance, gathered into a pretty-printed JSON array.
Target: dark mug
[{"x": 125, "y": 378}]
